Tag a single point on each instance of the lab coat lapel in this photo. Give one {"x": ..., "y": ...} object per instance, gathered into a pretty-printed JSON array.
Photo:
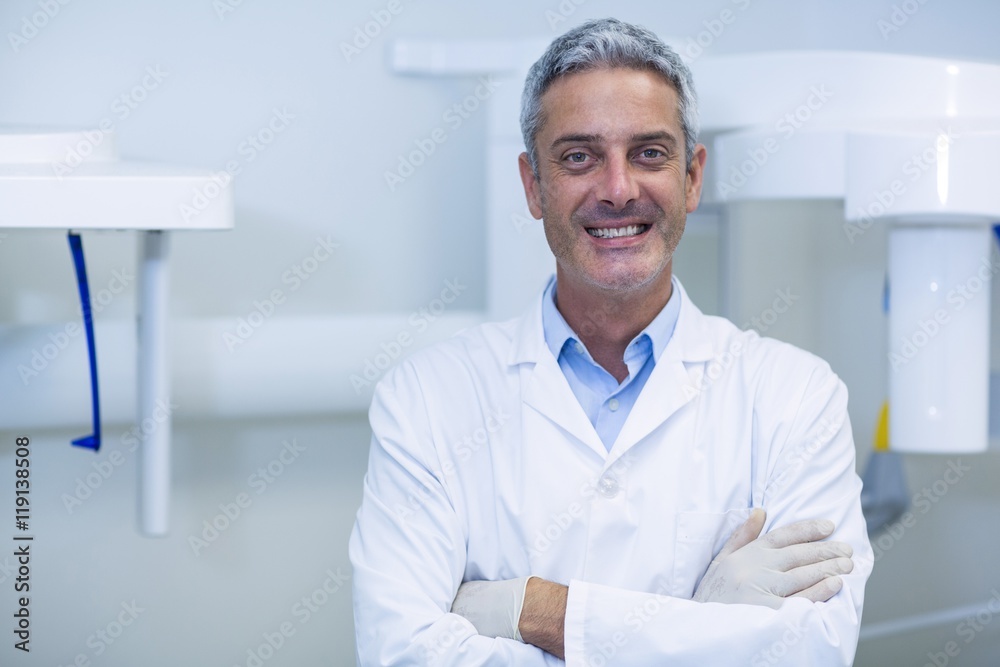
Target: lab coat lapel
[
  {"x": 674, "y": 380},
  {"x": 544, "y": 387}
]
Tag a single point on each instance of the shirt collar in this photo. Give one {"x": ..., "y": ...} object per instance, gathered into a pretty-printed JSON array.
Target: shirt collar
[{"x": 558, "y": 332}]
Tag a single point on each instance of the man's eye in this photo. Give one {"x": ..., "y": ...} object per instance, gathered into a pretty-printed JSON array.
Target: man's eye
[
  {"x": 577, "y": 157},
  {"x": 652, "y": 153}
]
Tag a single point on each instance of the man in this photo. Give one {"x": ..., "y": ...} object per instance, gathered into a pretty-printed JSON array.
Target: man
[{"x": 613, "y": 478}]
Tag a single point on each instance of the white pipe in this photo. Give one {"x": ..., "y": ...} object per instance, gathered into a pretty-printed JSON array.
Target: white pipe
[
  {"x": 907, "y": 624},
  {"x": 154, "y": 385},
  {"x": 939, "y": 327}
]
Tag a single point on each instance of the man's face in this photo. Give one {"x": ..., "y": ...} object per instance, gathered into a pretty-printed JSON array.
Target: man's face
[{"x": 613, "y": 189}]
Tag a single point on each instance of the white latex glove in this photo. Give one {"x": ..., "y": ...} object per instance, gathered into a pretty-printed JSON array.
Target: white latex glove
[
  {"x": 787, "y": 562},
  {"x": 494, "y": 607}
]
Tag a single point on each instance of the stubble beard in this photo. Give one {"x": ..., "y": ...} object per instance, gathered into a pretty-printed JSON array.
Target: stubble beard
[{"x": 633, "y": 271}]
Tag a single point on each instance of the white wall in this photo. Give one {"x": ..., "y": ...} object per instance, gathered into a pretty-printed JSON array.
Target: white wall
[{"x": 324, "y": 175}]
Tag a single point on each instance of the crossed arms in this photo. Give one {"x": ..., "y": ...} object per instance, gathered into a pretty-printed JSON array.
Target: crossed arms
[{"x": 750, "y": 569}]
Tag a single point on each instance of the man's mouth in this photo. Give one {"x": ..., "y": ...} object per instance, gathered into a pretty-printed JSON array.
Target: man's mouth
[{"x": 615, "y": 232}]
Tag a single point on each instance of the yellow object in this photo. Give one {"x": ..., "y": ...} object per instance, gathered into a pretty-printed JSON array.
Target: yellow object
[{"x": 882, "y": 429}]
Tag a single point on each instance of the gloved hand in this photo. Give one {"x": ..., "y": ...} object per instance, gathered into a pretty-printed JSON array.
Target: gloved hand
[
  {"x": 494, "y": 607},
  {"x": 787, "y": 562}
]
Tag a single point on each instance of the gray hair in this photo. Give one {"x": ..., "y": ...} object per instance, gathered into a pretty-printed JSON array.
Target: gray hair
[{"x": 607, "y": 43}]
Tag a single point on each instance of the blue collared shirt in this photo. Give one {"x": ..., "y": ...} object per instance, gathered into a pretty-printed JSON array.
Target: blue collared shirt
[{"x": 607, "y": 403}]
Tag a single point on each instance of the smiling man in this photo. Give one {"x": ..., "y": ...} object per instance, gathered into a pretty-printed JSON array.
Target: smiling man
[{"x": 614, "y": 477}]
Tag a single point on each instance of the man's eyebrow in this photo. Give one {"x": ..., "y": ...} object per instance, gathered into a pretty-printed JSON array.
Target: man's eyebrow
[
  {"x": 577, "y": 139},
  {"x": 663, "y": 136}
]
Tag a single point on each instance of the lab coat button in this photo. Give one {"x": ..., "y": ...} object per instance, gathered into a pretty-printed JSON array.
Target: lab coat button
[{"x": 608, "y": 486}]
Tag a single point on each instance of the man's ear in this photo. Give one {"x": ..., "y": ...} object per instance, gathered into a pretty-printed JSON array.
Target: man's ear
[
  {"x": 695, "y": 177},
  {"x": 532, "y": 188}
]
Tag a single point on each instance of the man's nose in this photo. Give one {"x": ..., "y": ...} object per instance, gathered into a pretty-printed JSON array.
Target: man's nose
[{"x": 617, "y": 185}]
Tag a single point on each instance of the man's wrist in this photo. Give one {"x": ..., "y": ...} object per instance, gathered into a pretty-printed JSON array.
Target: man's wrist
[{"x": 543, "y": 615}]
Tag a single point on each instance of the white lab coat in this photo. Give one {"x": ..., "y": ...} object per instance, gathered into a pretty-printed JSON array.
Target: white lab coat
[{"x": 483, "y": 465}]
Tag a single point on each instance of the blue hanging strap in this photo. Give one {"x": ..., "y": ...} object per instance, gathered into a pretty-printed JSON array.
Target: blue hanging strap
[
  {"x": 76, "y": 246},
  {"x": 885, "y": 295}
]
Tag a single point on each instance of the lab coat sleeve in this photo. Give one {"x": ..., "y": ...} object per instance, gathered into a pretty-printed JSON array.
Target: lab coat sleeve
[
  {"x": 809, "y": 473},
  {"x": 408, "y": 548}
]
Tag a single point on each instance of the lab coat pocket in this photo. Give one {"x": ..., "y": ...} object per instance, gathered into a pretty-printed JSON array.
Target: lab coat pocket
[{"x": 700, "y": 536}]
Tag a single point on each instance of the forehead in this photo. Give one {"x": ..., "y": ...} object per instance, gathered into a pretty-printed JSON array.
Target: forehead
[{"x": 610, "y": 101}]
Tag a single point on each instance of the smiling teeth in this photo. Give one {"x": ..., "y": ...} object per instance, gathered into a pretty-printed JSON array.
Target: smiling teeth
[{"x": 614, "y": 232}]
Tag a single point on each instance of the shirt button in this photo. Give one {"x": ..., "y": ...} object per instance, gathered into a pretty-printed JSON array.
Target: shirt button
[
  {"x": 613, "y": 404},
  {"x": 608, "y": 486},
  {"x": 579, "y": 348}
]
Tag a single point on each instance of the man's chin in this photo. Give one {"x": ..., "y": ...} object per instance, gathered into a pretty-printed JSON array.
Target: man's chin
[{"x": 620, "y": 281}]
